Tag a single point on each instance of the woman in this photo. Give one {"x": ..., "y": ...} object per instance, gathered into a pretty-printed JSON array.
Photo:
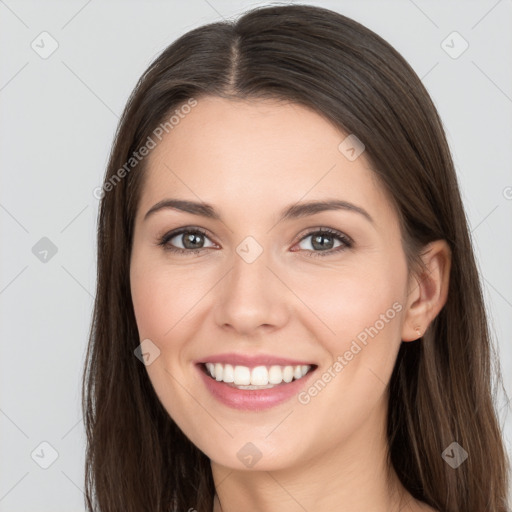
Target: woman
[{"x": 288, "y": 313}]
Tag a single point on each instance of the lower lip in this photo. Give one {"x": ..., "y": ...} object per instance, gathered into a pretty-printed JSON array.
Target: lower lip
[{"x": 253, "y": 399}]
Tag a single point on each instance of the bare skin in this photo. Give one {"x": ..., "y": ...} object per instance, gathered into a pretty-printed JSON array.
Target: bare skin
[{"x": 250, "y": 160}]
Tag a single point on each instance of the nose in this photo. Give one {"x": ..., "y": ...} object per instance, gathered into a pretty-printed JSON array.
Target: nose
[{"x": 252, "y": 298}]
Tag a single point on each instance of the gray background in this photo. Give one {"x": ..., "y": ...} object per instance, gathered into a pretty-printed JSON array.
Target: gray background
[{"x": 58, "y": 116}]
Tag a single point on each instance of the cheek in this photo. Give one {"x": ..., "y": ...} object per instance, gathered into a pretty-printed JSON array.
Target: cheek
[
  {"x": 363, "y": 311},
  {"x": 163, "y": 300},
  {"x": 164, "y": 297},
  {"x": 148, "y": 305},
  {"x": 358, "y": 311},
  {"x": 350, "y": 301}
]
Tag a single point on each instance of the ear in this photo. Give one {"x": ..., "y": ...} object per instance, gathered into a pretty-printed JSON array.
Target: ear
[{"x": 428, "y": 290}]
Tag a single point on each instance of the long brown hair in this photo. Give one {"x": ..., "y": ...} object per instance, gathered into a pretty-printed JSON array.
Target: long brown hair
[{"x": 441, "y": 390}]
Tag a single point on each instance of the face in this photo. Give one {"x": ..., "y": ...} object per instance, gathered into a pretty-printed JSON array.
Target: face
[{"x": 258, "y": 297}]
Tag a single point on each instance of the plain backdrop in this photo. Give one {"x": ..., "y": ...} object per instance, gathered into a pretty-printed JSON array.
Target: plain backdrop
[{"x": 59, "y": 112}]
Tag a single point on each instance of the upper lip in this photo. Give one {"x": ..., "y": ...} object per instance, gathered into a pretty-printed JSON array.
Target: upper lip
[{"x": 252, "y": 361}]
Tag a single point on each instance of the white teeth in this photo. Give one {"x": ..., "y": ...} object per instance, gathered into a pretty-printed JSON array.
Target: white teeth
[
  {"x": 275, "y": 375},
  {"x": 288, "y": 373},
  {"x": 259, "y": 377},
  {"x": 229, "y": 373},
  {"x": 242, "y": 375}
]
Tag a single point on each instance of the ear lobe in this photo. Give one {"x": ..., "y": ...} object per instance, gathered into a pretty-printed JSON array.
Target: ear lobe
[{"x": 428, "y": 291}]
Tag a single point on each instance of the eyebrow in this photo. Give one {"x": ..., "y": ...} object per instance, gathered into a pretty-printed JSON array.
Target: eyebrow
[{"x": 294, "y": 211}]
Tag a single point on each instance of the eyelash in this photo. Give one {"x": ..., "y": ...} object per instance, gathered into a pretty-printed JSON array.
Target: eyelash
[{"x": 346, "y": 242}]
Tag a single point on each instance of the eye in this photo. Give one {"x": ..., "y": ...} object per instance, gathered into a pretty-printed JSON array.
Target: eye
[
  {"x": 191, "y": 240},
  {"x": 323, "y": 242}
]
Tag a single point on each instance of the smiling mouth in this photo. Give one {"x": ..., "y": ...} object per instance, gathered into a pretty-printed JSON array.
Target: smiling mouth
[{"x": 258, "y": 377}]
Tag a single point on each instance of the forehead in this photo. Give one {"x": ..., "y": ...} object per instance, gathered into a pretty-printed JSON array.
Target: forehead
[{"x": 258, "y": 152}]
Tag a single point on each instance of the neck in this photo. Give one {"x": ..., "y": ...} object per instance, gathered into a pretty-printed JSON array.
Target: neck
[{"x": 353, "y": 476}]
